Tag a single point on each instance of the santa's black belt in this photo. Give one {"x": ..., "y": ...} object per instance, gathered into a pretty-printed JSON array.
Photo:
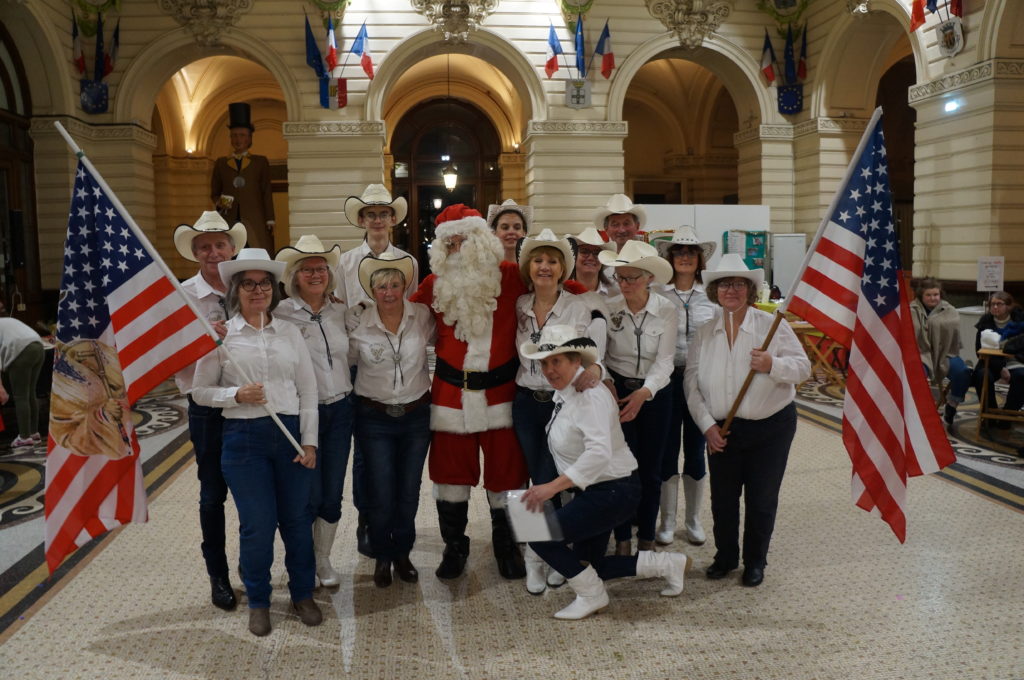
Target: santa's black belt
[{"x": 476, "y": 380}]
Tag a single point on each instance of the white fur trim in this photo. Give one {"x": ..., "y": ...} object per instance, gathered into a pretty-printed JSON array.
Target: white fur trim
[
  {"x": 451, "y": 493},
  {"x": 464, "y": 227},
  {"x": 461, "y": 421}
]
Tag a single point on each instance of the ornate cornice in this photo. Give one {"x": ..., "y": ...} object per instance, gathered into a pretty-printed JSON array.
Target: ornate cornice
[
  {"x": 177, "y": 163},
  {"x": 783, "y": 132},
  {"x": 455, "y": 18},
  {"x": 578, "y": 127},
  {"x": 691, "y": 20},
  {"x": 992, "y": 69},
  {"x": 685, "y": 161},
  {"x": 508, "y": 159},
  {"x": 322, "y": 128},
  {"x": 206, "y": 19},
  {"x": 825, "y": 125},
  {"x": 78, "y": 130}
]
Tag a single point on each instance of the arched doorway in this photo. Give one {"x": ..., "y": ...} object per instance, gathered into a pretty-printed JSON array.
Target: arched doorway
[
  {"x": 898, "y": 124},
  {"x": 427, "y": 137}
]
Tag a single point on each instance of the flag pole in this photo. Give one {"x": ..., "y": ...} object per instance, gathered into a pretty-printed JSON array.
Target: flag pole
[
  {"x": 750, "y": 376},
  {"x": 130, "y": 221}
]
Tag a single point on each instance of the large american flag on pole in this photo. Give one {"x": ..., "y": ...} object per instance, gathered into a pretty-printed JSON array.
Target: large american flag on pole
[
  {"x": 123, "y": 326},
  {"x": 852, "y": 289}
]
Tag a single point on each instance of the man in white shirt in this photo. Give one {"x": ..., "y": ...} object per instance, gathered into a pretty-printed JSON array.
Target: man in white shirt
[
  {"x": 621, "y": 219},
  {"x": 209, "y": 242}
]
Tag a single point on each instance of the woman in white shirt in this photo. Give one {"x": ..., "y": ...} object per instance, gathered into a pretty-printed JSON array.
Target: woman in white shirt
[
  {"x": 589, "y": 272},
  {"x": 308, "y": 280},
  {"x": 641, "y": 344},
  {"x": 750, "y": 459},
  {"x": 264, "y": 366},
  {"x": 388, "y": 340},
  {"x": 688, "y": 257},
  {"x": 591, "y": 456}
]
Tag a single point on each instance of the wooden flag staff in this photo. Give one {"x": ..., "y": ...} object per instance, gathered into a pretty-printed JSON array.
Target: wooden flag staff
[{"x": 750, "y": 376}]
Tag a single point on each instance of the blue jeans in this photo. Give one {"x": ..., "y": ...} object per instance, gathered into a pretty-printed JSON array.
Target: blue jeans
[
  {"x": 331, "y": 459},
  {"x": 394, "y": 452},
  {"x": 682, "y": 429},
  {"x": 646, "y": 435},
  {"x": 586, "y": 521},
  {"x": 205, "y": 427},
  {"x": 271, "y": 493},
  {"x": 530, "y": 419}
]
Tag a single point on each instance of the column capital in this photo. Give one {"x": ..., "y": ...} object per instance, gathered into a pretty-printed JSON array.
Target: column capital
[{"x": 990, "y": 69}]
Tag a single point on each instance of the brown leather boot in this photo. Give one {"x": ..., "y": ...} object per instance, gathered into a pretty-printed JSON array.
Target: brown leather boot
[{"x": 309, "y": 613}]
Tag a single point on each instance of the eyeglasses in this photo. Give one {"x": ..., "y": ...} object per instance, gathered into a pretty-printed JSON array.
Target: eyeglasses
[
  {"x": 248, "y": 285},
  {"x": 589, "y": 252},
  {"x": 313, "y": 271},
  {"x": 686, "y": 252},
  {"x": 732, "y": 285},
  {"x": 373, "y": 216},
  {"x": 628, "y": 279},
  {"x": 997, "y": 303}
]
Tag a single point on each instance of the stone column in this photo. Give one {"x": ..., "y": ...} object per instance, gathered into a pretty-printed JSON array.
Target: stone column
[
  {"x": 766, "y": 172},
  {"x": 513, "y": 177},
  {"x": 183, "y": 196}
]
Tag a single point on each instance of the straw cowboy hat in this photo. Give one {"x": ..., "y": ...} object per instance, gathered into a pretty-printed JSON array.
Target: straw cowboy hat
[
  {"x": 209, "y": 222},
  {"x": 685, "y": 236},
  {"x": 592, "y": 237},
  {"x": 375, "y": 194},
  {"x": 545, "y": 238},
  {"x": 525, "y": 212},
  {"x": 641, "y": 256},
  {"x": 619, "y": 204},
  {"x": 307, "y": 246},
  {"x": 732, "y": 265},
  {"x": 370, "y": 264},
  {"x": 250, "y": 258},
  {"x": 559, "y": 339}
]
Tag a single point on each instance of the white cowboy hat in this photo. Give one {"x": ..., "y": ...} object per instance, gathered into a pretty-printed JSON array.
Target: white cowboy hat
[
  {"x": 558, "y": 339},
  {"x": 685, "y": 236},
  {"x": 370, "y": 264},
  {"x": 307, "y": 246},
  {"x": 545, "y": 238},
  {"x": 250, "y": 258},
  {"x": 641, "y": 256},
  {"x": 731, "y": 265},
  {"x": 619, "y": 204},
  {"x": 525, "y": 212},
  {"x": 592, "y": 237},
  {"x": 375, "y": 194},
  {"x": 209, "y": 222}
]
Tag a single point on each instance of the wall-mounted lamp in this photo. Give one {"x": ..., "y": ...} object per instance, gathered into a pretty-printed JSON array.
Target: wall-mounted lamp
[{"x": 449, "y": 173}]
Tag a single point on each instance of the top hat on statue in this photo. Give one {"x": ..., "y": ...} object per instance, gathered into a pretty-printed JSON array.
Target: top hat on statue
[{"x": 240, "y": 115}]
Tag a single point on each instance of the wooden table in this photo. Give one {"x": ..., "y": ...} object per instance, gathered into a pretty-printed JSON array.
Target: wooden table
[
  {"x": 984, "y": 411},
  {"x": 821, "y": 360}
]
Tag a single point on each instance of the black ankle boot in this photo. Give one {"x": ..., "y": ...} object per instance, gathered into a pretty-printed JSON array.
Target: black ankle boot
[
  {"x": 949, "y": 413},
  {"x": 506, "y": 551},
  {"x": 452, "y": 519},
  {"x": 363, "y": 537}
]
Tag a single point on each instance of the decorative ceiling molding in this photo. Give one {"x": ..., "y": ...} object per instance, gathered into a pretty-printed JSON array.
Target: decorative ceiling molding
[
  {"x": 691, "y": 20},
  {"x": 206, "y": 20},
  {"x": 355, "y": 128},
  {"x": 455, "y": 19},
  {"x": 991, "y": 69},
  {"x": 43, "y": 125}
]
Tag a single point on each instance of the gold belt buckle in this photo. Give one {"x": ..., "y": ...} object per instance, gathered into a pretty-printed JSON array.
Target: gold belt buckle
[{"x": 465, "y": 381}]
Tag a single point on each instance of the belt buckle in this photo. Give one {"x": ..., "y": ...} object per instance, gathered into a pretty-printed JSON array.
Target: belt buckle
[
  {"x": 633, "y": 383},
  {"x": 395, "y": 410},
  {"x": 465, "y": 381},
  {"x": 543, "y": 396}
]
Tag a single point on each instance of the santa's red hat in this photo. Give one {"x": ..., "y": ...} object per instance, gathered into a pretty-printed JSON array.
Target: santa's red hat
[{"x": 459, "y": 219}]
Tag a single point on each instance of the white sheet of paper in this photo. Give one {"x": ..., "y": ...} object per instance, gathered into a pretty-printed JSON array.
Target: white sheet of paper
[{"x": 529, "y": 526}]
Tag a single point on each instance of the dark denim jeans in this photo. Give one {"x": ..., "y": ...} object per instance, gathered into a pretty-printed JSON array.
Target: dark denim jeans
[
  {"x": 530, "y": 419},
  {"x": 331, "y": 459},
  {"x": 394, "y": 452},
  {"x": 271, "y": 493},
  {"x": 587, "y": 521},
  {"x": 682, "y": 429},
  {"x": 205, "y": 427}
]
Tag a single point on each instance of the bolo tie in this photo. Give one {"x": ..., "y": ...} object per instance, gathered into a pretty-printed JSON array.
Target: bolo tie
[
  {"x": 318, "y": 319},
  {"x": 638, "y": 331}
]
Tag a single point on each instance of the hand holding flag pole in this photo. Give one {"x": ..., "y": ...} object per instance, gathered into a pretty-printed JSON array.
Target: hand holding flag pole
[{"x": 750, "y": 377}]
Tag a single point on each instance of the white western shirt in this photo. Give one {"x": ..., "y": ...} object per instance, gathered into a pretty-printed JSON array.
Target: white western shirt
[
  {"x": 694, "y": 310},
  {"x": 275, "y": 356},
  {"x": 657, "y": 323},
  {"x": 585, "y": 437},
  {"x": 392, "y": 366},
  {"x": 715, "y": 372},
  {"x": 568, "y": 310},
  {"x": 327, "y": 341},
  {"x": 348, "y": 289},
  {"x": 210, "y": 303}
]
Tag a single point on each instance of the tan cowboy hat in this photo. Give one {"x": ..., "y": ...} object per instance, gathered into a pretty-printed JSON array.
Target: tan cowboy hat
[
  {"x": 370, "y": 264},
  {"x": 592, "y": 237},
  {"x": 641, "y": 256},
  {"x": 525, "y": 212},
  {"x": 307, "y": 246},
  {"x": 545, "y": 238},
  {"x": 731, "y": 265},
  {"x": 685, "y": 236},
  {"x": 250, "y": 258},
  {"x": 375, "y": 194},
  {"x": 209, "y": 222},
  {"x": 559, "y": 339},
  {"x": 619, "y": 204}
]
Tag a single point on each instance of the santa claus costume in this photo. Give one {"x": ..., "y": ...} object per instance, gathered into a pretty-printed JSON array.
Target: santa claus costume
[{"x": 473, "y": 295}]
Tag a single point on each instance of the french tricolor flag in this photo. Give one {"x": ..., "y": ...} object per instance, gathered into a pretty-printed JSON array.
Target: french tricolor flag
[
  {"x": 77, "y": 56},
  {"x": 361, "y": 47},
  {"x": 768, "y": 59},
  {"x": 554, "y": 49},
  {"x": 604, "y": 48},
  {"x": 332, "y": 47}
]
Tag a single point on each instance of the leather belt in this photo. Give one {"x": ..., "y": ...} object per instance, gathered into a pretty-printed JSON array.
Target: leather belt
[
  {"x": 629, "y": 383},
  {"x": 474, "y": 381},
  {"x": 396, "y": 410},
  {"x": 543, "y": 396}
]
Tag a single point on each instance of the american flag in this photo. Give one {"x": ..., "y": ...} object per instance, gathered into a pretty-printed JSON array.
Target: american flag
[
  {"x": 122, "y": 327},
  {"x": 852, "y": 289}
]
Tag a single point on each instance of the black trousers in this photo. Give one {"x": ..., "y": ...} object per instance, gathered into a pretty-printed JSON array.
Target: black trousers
[{"x": 752, "y": 464}]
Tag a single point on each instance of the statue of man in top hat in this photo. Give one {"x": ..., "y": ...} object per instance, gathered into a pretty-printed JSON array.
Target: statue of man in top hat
[{"x": 240, "y": 185}]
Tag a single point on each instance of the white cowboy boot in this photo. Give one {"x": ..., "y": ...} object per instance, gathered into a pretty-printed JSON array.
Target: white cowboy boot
[
  {"x": 666, "y": 532},
  {"x": 535, "y": 570},
  {"x": 591, "y": 596},
  {"x": 693, "y": 493},
  {"x": 323, "y": 539},
  {"x": 669, "y": 566}
]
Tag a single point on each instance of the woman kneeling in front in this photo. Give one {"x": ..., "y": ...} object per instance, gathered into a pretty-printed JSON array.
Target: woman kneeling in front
[{"x": 591, "y": 456}]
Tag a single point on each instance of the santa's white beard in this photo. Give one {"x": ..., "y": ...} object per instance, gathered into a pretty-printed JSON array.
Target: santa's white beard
[{"x": 467, "y": 286}]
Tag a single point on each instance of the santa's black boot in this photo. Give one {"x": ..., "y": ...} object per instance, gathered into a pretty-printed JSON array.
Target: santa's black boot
[{"x": 452, "y": 518}]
